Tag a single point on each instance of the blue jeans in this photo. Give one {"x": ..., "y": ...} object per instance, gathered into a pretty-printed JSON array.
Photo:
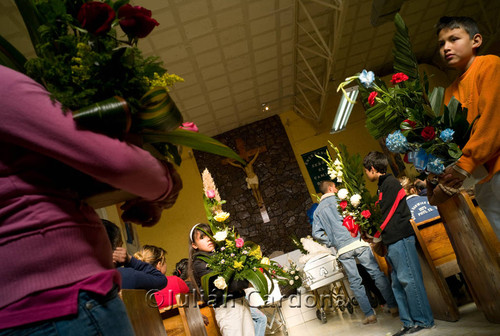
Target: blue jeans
[
  {"x": 408, "y": 284},
  {"x": 366, "y": 258},
  {"x": 97, "y": 315},
  {"x": 488, "y": 198},
  {"x": 259, "y": 321}
]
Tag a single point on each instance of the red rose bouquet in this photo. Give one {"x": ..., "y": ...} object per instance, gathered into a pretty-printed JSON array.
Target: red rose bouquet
[
  {"x": 414, "y": 121},
  {"x": 88, "y": 59}
]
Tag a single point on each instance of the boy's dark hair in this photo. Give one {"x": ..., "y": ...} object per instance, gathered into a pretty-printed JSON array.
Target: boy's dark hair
[
  {"x": 376, "y": 160},
  {"x": 114, "y": 233},
  {"x": 451, "y": 22},
  {"x": 324, "y": 185}
]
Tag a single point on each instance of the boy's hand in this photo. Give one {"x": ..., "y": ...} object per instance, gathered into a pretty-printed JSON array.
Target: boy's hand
[
  {"x": 452, "y": 178},
  {"x": 120, "y": 256},
  {"x": 366, "y": 238}
]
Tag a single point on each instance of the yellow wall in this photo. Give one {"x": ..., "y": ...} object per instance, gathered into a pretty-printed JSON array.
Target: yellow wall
[{"x": 305, "y": 137}]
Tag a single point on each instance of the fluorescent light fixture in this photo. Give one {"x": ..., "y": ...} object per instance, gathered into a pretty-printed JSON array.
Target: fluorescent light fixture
[{"x": 344, "y": 110}]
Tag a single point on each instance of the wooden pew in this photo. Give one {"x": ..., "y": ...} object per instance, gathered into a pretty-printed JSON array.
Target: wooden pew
[
  {"x": 143, "y": 312},
  {"x": 174, "y": 323},
  {"x": 476, "y": 253},
  {"x": 435, "y": 248},
  {"x": 190, "y": 313}
]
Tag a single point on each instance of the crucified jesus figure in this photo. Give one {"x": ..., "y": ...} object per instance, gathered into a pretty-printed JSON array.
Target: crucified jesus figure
[{"x": 252, "y": 179}]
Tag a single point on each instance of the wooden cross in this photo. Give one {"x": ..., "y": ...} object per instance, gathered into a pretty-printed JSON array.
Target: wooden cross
[
  {"x": 252, "y": 181},
  {"x": 242, "y": 151}
]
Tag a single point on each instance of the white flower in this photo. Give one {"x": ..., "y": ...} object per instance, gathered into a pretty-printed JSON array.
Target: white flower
[
  {"x": 220, "y": 236},
  {"x": 339, "y": 173},
  {"x": 285, "y": 269},
  {"x": 265, "y": 261},
  {"x": 355, "y": 200},
  {"x": 291, "y": 282},
  {"x": 342, "y": 194},
  {"x": 292, "y": 272},
  {"x": 220, "y": 283},
  {"x": 332, "y": 173},
  {"x": 337, "y": 162},
  {"x": 296, "y": 277}
]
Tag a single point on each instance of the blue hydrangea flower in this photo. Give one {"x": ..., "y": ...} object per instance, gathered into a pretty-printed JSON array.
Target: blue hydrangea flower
[
  {"x": 396, "y": 142},
  {"x": 435, "y": 165},
  {"x": 367, "y": 78},
  {"x": 447, "y": 135}
]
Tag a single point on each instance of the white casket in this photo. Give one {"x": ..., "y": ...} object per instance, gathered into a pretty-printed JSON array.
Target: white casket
[{"x": 321, "y": 271}]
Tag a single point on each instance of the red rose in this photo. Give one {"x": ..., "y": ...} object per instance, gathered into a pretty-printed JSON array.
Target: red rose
[
  {"x": 96, "y": 17},
  {"x": 366, "y": 213},
  {"x": 343, "y": 205},
  {"x": 428, "y": 133},
  {"x": 398, "y": 78},
  {"x": 408, "y": 124},
  {"x": 136, "y": 21},
  {"x": 371, "y": 98}
]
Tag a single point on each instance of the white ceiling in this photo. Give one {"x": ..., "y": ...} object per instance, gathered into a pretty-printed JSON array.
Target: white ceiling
[{"x": 236, "y": 55}]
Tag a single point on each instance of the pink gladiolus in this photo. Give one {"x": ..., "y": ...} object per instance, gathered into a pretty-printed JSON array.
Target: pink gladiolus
[
  {"x": 189, "y": 126},
  {"x": 210, "y": 193},
  {"x": 239, "y": 242}
]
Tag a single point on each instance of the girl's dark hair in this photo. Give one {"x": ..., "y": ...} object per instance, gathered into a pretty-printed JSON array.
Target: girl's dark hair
[
  {"x": 114, "y": 233},
  {"x": 376, "y": 160},
  {"x": 192, "y": 252},
  {"x": 451, "y": 22},
  {"x": 181, "y": 269}
]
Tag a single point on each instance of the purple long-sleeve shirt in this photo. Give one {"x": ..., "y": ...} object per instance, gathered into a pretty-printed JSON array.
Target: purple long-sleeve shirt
[{"x": 51, "y": 243}]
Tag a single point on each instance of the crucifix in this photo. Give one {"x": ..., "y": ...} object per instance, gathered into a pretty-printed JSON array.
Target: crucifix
[{"x": 252, "y": 180}]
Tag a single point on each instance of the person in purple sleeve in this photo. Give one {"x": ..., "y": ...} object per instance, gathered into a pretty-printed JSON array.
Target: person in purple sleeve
[{"x": 58, "y": 275}]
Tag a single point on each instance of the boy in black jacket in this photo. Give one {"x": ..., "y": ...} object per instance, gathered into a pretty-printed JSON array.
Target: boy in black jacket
[{"x": 397, "y": 234}]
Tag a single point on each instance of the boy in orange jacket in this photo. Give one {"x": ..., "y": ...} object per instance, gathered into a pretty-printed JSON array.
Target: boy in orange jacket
[{"x": 478, "y": 89}]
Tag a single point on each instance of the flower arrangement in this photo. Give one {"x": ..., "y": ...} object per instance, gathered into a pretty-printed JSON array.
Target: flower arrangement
[
  {"x": 235, "y": 258},
  {"x": 357, "y": 206},
  {"x": 415, "y": 122},
  {"x": 88, "y": 59}
]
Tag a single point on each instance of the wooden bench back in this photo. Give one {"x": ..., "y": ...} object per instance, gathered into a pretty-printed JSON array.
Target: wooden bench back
[
  {"x": 143, "y": 313},
  {"x": 190, "y": 313}
]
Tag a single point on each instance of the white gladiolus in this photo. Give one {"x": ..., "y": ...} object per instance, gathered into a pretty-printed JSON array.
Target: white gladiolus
[
  {"x": 339, "y": 173},
  {"x": 342, "y": 194},
  {"x": 220, "y": 236},
  {"x": 332, "y": 173},
  {"x": 355, "y": 200},
  {"x": 220, "y": 283},
  {"x": 337, "y": 162}
]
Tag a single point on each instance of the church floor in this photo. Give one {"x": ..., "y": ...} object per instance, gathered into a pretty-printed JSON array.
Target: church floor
[{"x": 471, "y": 322}]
